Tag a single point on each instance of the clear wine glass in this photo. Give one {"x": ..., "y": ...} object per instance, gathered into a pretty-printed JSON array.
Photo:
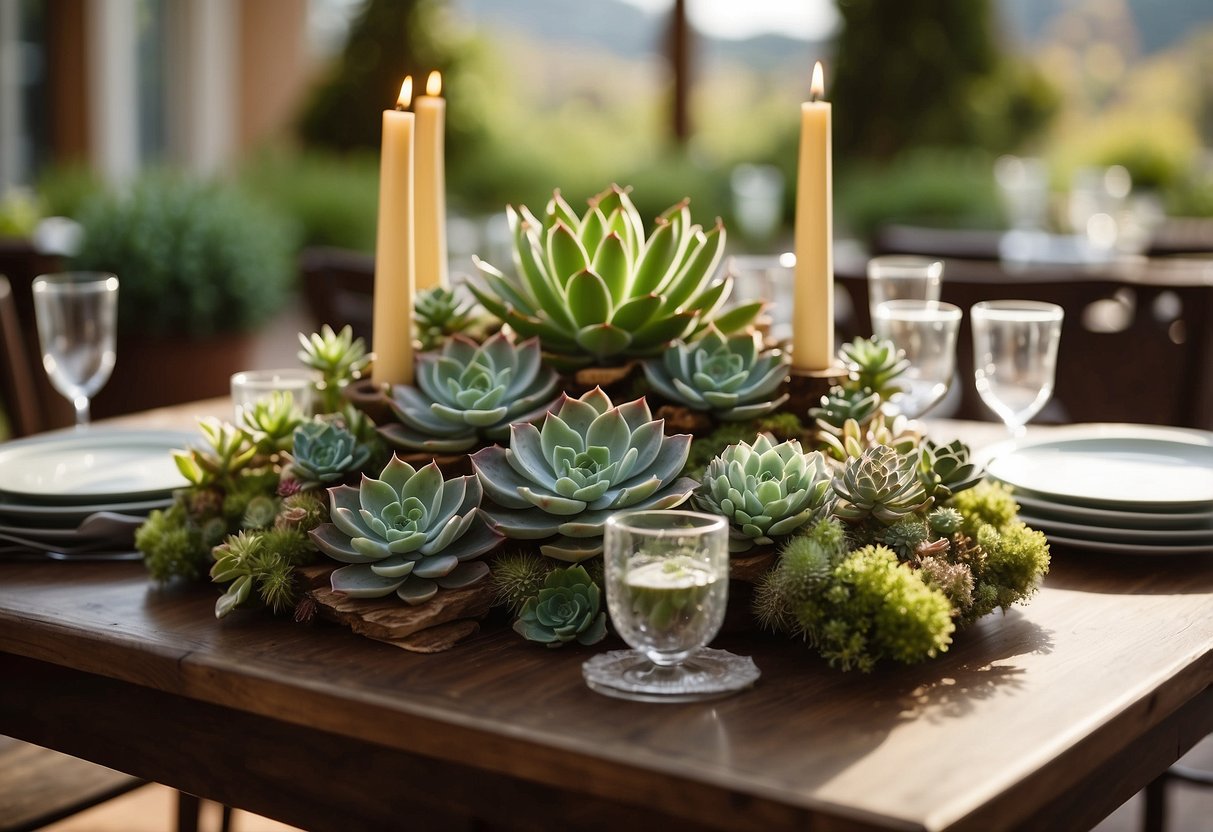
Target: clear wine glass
[
  {"x": 667, "y": 584},
  {"x": 925, "y": 331},
  {"x": 1015, "y": 357},
  {"x": 902, "y": 277},
  {"x": 77, "y": 316}
]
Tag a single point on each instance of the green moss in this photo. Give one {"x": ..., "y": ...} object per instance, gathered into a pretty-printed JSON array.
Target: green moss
[
  {"x": 781, "y": 425},
  {"x": 988, "y": 503},
  {"x": 172, "y": 545}
]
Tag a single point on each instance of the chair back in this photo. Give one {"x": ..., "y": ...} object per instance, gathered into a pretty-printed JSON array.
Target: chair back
[
  {"x": 18, "y": 391},
  {"x": 339, "y": 288}
]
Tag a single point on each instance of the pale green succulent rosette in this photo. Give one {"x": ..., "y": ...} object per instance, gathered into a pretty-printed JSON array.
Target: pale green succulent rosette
[
  {"x": 589, "y": 460},
  {"x": 595, "y": 290},
  {"x": 732, "y": 377},
  {"x": 323, "y": 452},
  {"x": 881, "y": 484},
  {"x": 766, "y": 491},
  {"x": 408, "y": 532},
  {"x": 470, "y": 392}
]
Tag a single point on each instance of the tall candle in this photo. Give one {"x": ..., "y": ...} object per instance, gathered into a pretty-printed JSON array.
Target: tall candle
[
  {"x": 393, "y": 319},
  {"x": 813, "y": 309},
  {"x": 430, "y": 218}
]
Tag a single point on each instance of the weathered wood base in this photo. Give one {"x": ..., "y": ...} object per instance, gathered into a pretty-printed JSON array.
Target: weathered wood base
[
  {"x": 449, "y": 618},
  {"x": 806, "y": 387}
]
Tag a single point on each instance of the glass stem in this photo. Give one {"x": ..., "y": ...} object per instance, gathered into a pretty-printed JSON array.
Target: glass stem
[{"x": 81, "y": 403}]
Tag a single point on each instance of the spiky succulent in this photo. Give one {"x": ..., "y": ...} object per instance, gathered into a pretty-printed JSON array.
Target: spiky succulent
[
  {"x": 596, "y": 291},
  {"x": 272, "y": 420},
  {"x": 881, "y": 484},
  {"x": 947, "y": 469},
  {"x": 731, "y": 376},
  {"x": 874, "y": 364},
  {"x": 588, "y": 460},
  {"x": 765, "y": 490},
  {"x": 567, "y": 608},
  {"x": 340, "y": 358},
  {"x": 324, "y": 452},
  {"x": 230, "y": 451},
  {"x": 438, "y": 314},
  {"x": 899, "y": 433},
  {"x": 408, "y": 532},
  {"x": 468, "y": 392}
]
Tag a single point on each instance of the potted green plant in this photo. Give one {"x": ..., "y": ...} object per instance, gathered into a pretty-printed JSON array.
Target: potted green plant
[{"x": 200, "y": 266}]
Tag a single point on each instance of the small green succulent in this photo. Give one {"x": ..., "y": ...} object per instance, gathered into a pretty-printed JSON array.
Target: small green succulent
[
  {"x": 898, "y": 433},
  {"x": 566, "y": 609},
  {"x": 947, "y": 469},
  {"x": 324, "y": 452},
  {"x": 468, "y": 392},
  {"x": 588, "y": 460},
  {"x": 230, "y": 451},
  {"x": 271, "y": 421},
  {"x": 340, "y": 358},
  {"x": 765, "y": 490},
  {"x": 595, "y": 290},
  {"x": 733, "y": 376},
  {"x": 408, "y": 532},
  {"x": 880, "y": 483},
  {"x": 840, "y": 406},
  {"x": 874, "y": 365},
  {"x": 438, "y": 314}
]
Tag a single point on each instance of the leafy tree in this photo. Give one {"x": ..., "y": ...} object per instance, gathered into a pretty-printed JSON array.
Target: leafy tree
[{"x": 921, "y": 73}]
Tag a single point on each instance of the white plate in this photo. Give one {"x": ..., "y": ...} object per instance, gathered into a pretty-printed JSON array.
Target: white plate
[
  {"x": 1105, "y": 547},
  {"x": 93, "y": 465},
  {"x": 1123, "y": 467},
  {"x": 1086, "y": 515},
  {"x": 71, "y": 515},
  {"x": 1157, "y": 537}
]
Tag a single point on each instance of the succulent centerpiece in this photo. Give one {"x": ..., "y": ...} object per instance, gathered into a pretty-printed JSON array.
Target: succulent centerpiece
[{"x": 596, "y": 290}]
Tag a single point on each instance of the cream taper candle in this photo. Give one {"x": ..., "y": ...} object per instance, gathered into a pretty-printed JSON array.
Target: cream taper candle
[
  {"x": 813, "y": 309},
  {"x": 393, "y": 319},
  {"x": 430, "y": 217}
]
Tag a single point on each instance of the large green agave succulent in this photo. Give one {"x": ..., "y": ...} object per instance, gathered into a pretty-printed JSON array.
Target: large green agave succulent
[
  {"x": 408, "y": 532},
  {"x": 731, "y": 376},
  {"x": 765, "y": 490},
  {"x": 595, "y": 290},
  {"x": 468, "y": 392},
  {"x": 588, "y": 460}
]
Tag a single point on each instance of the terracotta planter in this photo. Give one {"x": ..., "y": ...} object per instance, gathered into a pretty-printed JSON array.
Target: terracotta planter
[{"x": 154, "y": 372}]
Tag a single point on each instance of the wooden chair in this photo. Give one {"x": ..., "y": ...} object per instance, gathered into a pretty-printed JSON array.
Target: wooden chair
[
  {"x": 1134, "y": 348},
  {"x": 40, "y": 786},
  {"x": 339, "y": 286},
  {"x": 19, "y": 394}
]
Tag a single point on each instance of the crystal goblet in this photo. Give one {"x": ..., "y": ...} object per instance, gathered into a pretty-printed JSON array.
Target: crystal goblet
[
  {"x": 76, "y": 314},
  {"x": 926, "y": 332},
  {"x": 1015, "y": 357},
  {"x": 902, "y": 277},
  {"x": 667, "y": 584}
]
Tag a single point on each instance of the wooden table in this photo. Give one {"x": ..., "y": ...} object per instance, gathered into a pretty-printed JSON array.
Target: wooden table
[{"x": 1045, "y": 718}]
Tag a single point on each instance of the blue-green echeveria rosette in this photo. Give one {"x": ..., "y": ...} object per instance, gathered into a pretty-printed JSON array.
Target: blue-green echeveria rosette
[
  {"x": 765, "y": 490},
  {"x": 408, "y": 532},
  {"x": 587, "y": 461},
  {"x": 733, "y": 377},
  {"x": 468, "y": 392},
  {"x": 323, "y": 452},
  {"x": 567, "y": 608}
]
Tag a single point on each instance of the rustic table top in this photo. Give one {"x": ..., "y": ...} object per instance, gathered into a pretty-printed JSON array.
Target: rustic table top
[{"x": 1046, "y": 717}]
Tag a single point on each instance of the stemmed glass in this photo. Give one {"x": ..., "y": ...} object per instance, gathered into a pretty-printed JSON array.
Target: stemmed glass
[
  {"x": 667, "y": 584},
  {"x": 1015, "y": 357},
  {"x": 77, "y": 315},
  {"x": 926, "y": 331},
  {"x": 902, "y": 277}
]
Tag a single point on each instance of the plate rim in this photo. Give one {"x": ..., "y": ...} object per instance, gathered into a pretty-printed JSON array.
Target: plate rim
[
  {"x": 1099, "y": 430},
  {"x": 165, "y": 438},
  {"x": 1172, "y": 519},
  {"x": 1128, "y": 548},
  {"x": 1078, "y": 529}
]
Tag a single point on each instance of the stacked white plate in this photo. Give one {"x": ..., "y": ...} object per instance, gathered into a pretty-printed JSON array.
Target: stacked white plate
[
  {"x": 1133, "y": 489},
  {"x": 84, "y": 492}
]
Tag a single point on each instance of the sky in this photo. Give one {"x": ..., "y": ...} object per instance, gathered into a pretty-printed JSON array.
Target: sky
[{"x": 805, "y": 19}]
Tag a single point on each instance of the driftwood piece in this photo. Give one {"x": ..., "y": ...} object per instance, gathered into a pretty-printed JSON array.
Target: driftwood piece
[
  {"x": 679, "y": 419},
  {"x": 750, "y": 567},
  {"x": 439, "y": 624},
  {"x": 806, "y": 387}
]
